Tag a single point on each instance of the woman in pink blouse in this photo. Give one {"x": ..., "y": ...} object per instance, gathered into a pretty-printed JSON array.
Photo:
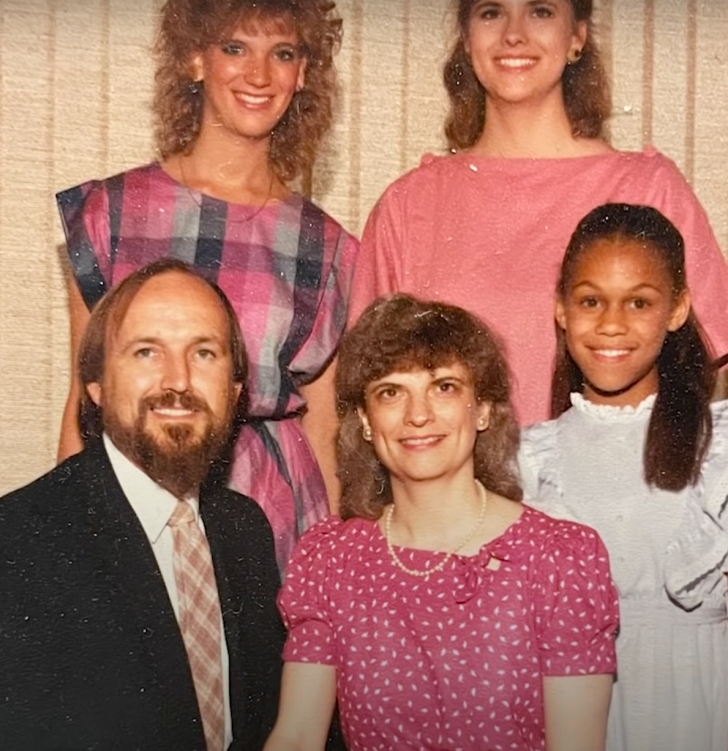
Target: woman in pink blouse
[
  {"x": 440, "y": 611},
  {"x": 485, "y": 226}
]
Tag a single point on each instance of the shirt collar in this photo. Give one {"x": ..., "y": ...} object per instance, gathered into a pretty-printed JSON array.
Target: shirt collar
[{"x": 152, "y": 503}]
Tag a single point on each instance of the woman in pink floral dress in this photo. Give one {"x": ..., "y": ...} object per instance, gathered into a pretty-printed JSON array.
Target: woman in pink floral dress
[{"x": 440, "y": 611}]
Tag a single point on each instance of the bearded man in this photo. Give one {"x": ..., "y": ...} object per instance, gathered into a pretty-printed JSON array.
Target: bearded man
[{"x": 138, "y": 601}]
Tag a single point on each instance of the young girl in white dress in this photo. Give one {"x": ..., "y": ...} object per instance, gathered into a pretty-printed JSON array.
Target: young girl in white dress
[{"x": 631, "y": 396}]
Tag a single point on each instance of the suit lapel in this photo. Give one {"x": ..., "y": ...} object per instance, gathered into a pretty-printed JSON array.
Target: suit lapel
[
  {"x": 136, "y": 584},
  {"x": 247, "y": 578}
]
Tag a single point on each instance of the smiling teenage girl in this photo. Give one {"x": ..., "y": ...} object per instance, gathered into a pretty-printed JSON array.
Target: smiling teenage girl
[
  {"x": 485, "y": 227},
  {"x": 442, "y": 613},
  {"x": 244, "y": 96},
  {"x": 631, "y": 392}
]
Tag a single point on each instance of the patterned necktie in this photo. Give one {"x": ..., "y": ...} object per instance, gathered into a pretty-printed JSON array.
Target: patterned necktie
[{"x": 199, "y": 619}]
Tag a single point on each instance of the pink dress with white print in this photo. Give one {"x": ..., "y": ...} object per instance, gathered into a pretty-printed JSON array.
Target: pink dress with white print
[{"x": 456, "y": 662}]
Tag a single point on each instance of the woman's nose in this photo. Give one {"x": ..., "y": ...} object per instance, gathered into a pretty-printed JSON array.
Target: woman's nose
[
  {"x": 612, "y": 321},
  {"x": 515, "y": 29},
  {"x": 419, "y": 410},
  {"x": 257, "y": 72}
]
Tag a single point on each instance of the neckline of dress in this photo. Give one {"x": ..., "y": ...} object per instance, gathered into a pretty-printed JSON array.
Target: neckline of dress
[
  {"x": 473, "y": 161},
  {"x": 198, "y": 196},
  {"x": 610, "y": 412},
  {"x": 486, "y": 547}
]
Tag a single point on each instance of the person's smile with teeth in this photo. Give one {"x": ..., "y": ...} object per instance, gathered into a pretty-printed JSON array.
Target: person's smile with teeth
[
  {"x": 424, "y": 422},
  {"x": 615, "y": 316}
]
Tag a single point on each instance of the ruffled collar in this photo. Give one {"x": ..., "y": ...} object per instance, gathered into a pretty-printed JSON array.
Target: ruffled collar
[{"x": 610, "y": 413}]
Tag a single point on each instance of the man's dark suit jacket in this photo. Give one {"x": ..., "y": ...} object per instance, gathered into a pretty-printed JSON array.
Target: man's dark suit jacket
[{"x": 91, "y": 656}]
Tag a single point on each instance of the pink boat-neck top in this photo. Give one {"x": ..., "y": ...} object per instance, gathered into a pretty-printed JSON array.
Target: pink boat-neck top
[{"x": 489, "y": 234}]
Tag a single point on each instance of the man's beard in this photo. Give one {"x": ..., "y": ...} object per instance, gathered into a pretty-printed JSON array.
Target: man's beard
[{"x": 180, "y": 459}]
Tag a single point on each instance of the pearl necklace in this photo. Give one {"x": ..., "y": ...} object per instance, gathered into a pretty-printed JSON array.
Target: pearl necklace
[{"x": 441, "y": 565}]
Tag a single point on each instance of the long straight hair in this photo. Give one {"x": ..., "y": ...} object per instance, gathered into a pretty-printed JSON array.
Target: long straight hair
[{"x": 681, "y": 426}]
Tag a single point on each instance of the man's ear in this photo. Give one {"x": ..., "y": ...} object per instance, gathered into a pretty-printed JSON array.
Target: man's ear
[{"x": 93, "y": 389}]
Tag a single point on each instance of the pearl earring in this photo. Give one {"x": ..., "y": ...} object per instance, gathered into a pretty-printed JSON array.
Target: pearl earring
[{"x": 574, "y": 56}]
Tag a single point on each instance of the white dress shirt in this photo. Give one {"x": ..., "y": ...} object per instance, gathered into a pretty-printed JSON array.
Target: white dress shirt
[{"x": 154, "y": 505}]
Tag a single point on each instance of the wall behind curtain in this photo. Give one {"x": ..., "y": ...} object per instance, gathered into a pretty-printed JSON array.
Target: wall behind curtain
[{"x": 75, "y": 87}]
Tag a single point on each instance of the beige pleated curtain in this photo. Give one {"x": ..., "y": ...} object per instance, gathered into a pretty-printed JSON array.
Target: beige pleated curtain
[{"x": 75, "y": 87}]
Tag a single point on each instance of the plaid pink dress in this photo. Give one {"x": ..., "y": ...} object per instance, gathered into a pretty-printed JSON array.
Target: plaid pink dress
[{"x": 287, "y": 270}]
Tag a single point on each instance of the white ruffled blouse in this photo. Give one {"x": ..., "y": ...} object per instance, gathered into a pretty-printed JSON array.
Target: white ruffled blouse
[{"x": 588, "y": 466}]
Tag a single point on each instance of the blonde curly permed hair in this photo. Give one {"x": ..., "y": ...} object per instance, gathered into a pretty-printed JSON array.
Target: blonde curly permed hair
[{"x": 188, "y": 27}]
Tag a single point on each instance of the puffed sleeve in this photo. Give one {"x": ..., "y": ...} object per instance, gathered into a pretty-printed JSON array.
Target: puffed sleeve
[
  {"x": 714, "y": 476},
  {"x": 697, "y": 559},
  {"x": 340, "y": 250},
  {"x": 304, "y": 600},
  {"x": 539, "y": 467},
  {"x": 576, "y": 604},
  {"x": 85, "y": 218},
  {"x": 706, "y": 266}
]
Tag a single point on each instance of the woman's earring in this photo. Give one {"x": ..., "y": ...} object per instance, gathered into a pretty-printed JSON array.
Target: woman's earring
[
  {"x": 366, "y": 432},
  {"x": 482, "y": 423},
  {"x": 574, "y": 56},
  {"x": 195, "y": 87},
  {"x": 297, "y": 105}
]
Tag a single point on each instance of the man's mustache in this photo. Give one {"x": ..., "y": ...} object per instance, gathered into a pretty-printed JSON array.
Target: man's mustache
[{"x": 172, "y": 399}]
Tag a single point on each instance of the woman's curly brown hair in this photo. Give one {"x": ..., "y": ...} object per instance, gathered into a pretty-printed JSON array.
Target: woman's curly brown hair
[
  {"x": 403, "y": 333},
  {"x": 188, "y": 27},
  {"x": 585, "y": 84}
]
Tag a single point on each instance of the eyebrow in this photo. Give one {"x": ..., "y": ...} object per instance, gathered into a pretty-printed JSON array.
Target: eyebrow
[
  {"x": 452, "y": 377},
  {"x": 435, "y": 379},
  {"x": 636, "y": 288},
  {"x": 483, "y": 3},
  {"x": 161, "y": 342}
]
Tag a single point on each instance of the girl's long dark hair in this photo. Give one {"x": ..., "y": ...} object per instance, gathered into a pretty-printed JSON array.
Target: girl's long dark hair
[{"x": 681, "y": 426}]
